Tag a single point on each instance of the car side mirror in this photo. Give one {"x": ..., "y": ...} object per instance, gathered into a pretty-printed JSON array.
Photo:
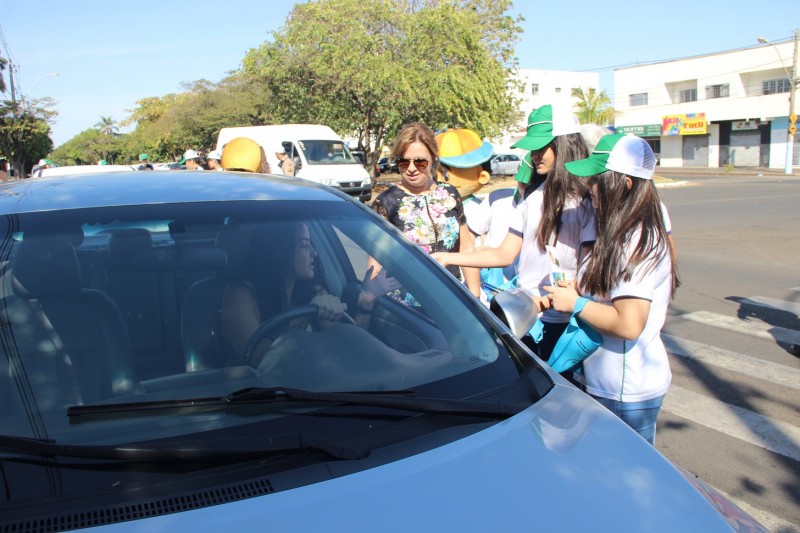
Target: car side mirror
[{"x": 516, "y": 309}]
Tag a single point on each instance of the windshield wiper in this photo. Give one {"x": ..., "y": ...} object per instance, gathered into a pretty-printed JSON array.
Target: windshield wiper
[
  {"x": 257, "y": 447},
  {"x": 257, "y": 395}
]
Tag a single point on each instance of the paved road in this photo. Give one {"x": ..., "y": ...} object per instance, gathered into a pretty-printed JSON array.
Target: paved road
[{"x": 732, "y": 415}]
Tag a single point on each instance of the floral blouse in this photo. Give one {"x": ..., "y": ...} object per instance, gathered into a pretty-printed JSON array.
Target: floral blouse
[{"x": 431, "y": 220}]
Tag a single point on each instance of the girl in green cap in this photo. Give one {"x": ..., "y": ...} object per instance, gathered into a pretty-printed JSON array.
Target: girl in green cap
[{"x": 553, "y": 228}]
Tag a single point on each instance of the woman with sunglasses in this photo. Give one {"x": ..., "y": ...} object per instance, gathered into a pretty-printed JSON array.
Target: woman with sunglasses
[
  {"x": 553, "y": 228},
  {"x": 629, "y": 276},
  {"x": 430, "y": 214}
]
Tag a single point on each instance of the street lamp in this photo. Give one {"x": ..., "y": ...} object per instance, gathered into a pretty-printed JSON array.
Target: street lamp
[
  {"x": 51, "y": 75},
  {"x": 792, "y": 77}
]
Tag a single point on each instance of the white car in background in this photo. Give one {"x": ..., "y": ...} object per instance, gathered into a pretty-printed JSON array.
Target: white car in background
[
  {"x": 81, "y": 169},
  {"x": 505, "y": 164}
]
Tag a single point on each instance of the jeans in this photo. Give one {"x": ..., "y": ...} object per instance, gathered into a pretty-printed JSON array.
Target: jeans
[{"x": 641, "y": 416}]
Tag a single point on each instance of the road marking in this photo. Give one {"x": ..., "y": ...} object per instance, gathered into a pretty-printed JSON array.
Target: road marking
[
  {"x": 773, "y": 303},
  {"x": 778, "y": 374},
  {"x": 774, "y": 435},
  {"x": 758, "y": 329}
]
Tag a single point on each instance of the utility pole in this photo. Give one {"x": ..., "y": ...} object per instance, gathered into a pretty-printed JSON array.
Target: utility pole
[{"x": 792, "y": 114}]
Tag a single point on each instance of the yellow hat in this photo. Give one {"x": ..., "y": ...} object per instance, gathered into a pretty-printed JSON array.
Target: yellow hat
[
  {"x": 462, "y": 148},
  {"x": 241, "y": 153}
]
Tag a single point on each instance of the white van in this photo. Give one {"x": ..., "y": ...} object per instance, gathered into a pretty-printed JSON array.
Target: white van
[{"x": 319, "y": 154}]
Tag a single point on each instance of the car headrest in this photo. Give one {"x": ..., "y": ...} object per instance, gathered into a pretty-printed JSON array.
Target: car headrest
[
  {"x": 127, "y": 246},
  {"x": 234, "y": 240},
  {"x": 45, "y": 266}
]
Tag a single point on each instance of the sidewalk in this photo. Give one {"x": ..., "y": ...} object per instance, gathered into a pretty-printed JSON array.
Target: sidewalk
[{"x": 670, "y": 172}]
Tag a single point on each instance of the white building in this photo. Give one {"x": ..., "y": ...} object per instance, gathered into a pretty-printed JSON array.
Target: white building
[
  {"x": 540, "y": 87},
  {"x": 715, "y": 110}
]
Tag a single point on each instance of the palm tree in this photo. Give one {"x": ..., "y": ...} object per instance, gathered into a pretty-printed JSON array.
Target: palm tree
[
  {"x": 593, "y": 107},
  {"x": 107, "y": 126}
]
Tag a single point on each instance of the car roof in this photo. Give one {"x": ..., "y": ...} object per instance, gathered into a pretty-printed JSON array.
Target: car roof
[{"x": 135, "y": 188}]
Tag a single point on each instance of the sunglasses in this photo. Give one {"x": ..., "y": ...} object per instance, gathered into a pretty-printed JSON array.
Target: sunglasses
[{"x": 403, "y": 163}]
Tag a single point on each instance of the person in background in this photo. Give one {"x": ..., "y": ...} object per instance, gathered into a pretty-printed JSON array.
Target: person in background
[
  {"x": 428, "y": 213},
  {"x": 629, "y": 276},
  {"x": 214, "y": 160},
  {"x": 192, "y": 160},
  {"x": 285, "y": 163},
  {"x": 244, "y": 155},
  {"x": 144, "y": 163},
  {"x": 4, "y": 176},
  {"x": 553, "y": 228}
]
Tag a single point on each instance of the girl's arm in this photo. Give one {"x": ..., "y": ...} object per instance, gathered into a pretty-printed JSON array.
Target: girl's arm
[
  {"x": 472, "y": 276},
  {"x": 240, "y": 317},
  {"x": 624, "y": 318},
  {"x": 502, "y": 256}
]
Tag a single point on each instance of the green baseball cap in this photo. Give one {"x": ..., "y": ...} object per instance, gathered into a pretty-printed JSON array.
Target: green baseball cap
[
  {"x": 525, "y": 170},
  {"x": 545, "y": 124},
  {"x": 628, "y": 154},
  {"x": 143, "y": 157}
]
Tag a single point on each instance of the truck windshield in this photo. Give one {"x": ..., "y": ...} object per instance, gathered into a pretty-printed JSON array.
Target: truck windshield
[{"x": 322, "y": 152}]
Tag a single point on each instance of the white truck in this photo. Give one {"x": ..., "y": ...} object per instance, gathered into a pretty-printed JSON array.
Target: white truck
[{"x": 319, "y": 154}]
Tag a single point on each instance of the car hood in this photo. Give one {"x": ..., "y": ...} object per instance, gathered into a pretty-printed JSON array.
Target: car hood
[{"x": 564, "y": 464}]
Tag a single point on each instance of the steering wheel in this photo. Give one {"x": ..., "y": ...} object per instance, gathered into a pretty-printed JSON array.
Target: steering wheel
[{"x": 264, "y": 330}]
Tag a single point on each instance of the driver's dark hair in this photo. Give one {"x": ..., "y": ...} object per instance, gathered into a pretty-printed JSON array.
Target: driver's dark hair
[{"x": 271, "y": 267}]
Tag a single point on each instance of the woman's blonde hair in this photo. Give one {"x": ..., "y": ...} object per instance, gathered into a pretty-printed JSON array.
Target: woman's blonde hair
[{"x": 416, "y": 132}]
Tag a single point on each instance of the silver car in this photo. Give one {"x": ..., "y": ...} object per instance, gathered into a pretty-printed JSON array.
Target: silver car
[
  {"x": 505, "y": 164},
  {"x": 126, "y": 405}
]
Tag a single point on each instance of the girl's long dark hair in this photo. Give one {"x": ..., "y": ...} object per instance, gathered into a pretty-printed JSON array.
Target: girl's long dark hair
[
  {"x": 560, "y": 185},
  {"x": 621, "y": 212},
  {"x": 271, "y": 263}
]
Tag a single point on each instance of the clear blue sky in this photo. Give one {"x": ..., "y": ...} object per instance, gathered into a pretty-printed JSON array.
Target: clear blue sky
[{"x": 111, "y": 53}]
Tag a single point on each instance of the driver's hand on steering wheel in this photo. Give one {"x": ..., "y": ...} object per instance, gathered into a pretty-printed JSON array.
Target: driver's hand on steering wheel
[{"x": 330, "y": 307}]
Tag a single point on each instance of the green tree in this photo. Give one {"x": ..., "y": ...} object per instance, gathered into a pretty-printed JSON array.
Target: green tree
[
  {"x": 167, "y": 126},
  {"x": 365, "y": 67},
  {"x": 25, "y": 132},
  {"x": 593, "y": 107},
  {"x": 90, "y": 146},
  {"x": 107, "y": 126}
]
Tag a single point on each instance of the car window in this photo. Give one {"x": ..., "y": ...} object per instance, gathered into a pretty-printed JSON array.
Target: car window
[
  {"x": 148, "y": 282},
  {"x": 325, "y": 152}
]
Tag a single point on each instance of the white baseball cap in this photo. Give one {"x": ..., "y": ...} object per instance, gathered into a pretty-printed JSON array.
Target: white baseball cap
[
  {"x": 189, "y": 154},
  {"x": 214, "y": 154}
]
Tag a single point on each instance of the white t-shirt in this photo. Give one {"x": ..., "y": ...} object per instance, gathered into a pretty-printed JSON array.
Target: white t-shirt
[
  {"x": 492, "y": 217},
  {"x": 634, "y": 371},
  {"x": 489, "y": 222},
  {"x": 577, "y": 229}
]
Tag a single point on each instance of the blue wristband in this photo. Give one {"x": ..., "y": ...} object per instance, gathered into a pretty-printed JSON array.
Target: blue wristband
[{"x": 579, "y": 304}]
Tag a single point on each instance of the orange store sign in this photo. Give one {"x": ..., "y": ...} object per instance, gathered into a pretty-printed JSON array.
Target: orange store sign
[{"x": 688, "y": 124}]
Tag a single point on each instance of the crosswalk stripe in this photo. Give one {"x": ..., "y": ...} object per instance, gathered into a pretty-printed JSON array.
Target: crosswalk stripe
[
  {"x": 774, "y": 435},
  {"x": 757, "y": 329},
  {"x": 775, "y": 373},
  {"x": 773, "y": 303}
]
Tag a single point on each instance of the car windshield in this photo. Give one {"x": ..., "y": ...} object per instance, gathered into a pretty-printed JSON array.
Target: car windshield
[
  {"x": 325, "y": 152},
  {"x": 127, "y": 305}
]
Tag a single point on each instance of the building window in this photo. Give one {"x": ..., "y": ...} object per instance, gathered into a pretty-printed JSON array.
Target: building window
[
  {"x": 637, "y": 99},
  {"x": 688, "y": 95},
  {"x": 777, "y": 86},
  {"x": 558, "y": 89},
  {"x": 534, "y": 89},
  {"x": 717, "y": 91}
]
